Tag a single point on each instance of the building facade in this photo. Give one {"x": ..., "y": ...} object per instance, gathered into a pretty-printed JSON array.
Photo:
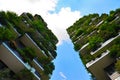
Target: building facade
[
  {"x": 96, "y": 38},
  {"x": 27, "y": 46}
]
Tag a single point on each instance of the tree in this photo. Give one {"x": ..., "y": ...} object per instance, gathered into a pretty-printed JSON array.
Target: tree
[
  {"x": 94, "y": 42},
  {"x": 108, "y": 30},
  {"x": 79, "y": 32},
  {"x": 9, "y": 35},
  {"x": 3, "y": 18},
  {"x": 49, "y": 68},
  {"x": 12, "y": 17},
  {"x": 29, "y": 52},
  {"x": 6, "y": 34}
]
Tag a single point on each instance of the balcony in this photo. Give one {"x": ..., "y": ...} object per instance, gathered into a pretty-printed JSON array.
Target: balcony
[
  {"x": 97, "y": 59},
  {"x": 84, "y": 46},
  {"x": 97, "y": 66},
  {"x": 99, "y": 23},
  {"x": 112, "y": 73},
  {"x": 28, "y": 41},
  {"x": 35, "y": 43},
  {"x": 33, "y": 71},
  {"x": 84, "y": 49},
  {"x": 19, "y": 62},
  {"x": 16, "y": 32},
  {"x": 104, "y": 45},
  {"x": 38, "y": 63},
  {"x": 37, "y": 74},
  {"x": 115, "y": 76},
  {"x": 15, "y": 51},
  {"x": 50, "y": 55}
]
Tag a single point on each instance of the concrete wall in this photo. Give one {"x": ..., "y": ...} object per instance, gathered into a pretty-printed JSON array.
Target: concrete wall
[
  {"x": 83, "y": 40},
  {"x": 28, "y": 42},
  {"x": 37, "y": 67},
  {"x": 9, "y": 59},
  {"x": 97, "y": 69},
  {"x": 85, "y": 49},
  {"x": 104, "y": 48}
]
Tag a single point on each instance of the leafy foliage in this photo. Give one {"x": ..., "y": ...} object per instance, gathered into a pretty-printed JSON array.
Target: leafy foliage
[
  {"x": 96, "y": 29},
  {"x": 108, "y": 30},
  {"x": 6, "y": 34},
  {"x": 115, "y": 49},
  {"x": 36, "y": 28},
  {"x": 94, "y": 42},
  {"x": 117, "y": 66},
  {"x": 47, "y": 64},
  {"x": 24, "y": 75},
  {"x": 27, "y": 53}
]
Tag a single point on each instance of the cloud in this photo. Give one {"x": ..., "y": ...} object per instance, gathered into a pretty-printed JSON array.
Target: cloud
[
  {"x": 60, "y": 21},
  {"x": 57, "y": 22},
  {"x": 33, "y": 6},
  {"x": 63, "y": 76}
]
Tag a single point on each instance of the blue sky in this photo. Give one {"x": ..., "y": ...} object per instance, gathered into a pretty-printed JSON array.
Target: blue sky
[
  {"x": 68, "y": 61},
  {"x": 68, "y": 64},
  {"x": 89, "y": 6},
  {"x": 59, "y": 15}
]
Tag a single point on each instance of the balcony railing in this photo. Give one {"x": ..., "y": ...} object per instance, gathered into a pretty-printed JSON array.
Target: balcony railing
[
  {"x": 35, "y": 43},
  {"x": 84, "y": 46},
  {"x": 15, "y": 51},
  {"x": 115, "y": 76},
  {"x": 16, "y": 31},
  {"x": 16, "y": 54},
  {"x": 97, "y": 59},
  {"x": 50, "y": 54},
  {"x": 99, "y": 23},
  {"x": 38, "y": 63},
  {"x": 37, "y": 74},
  {"x": 105, "y": 44}
]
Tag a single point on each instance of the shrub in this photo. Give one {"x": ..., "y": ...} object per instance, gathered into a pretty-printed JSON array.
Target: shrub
[
  {"x": 49, "y": 68},
  {"x": 114, "y": 51},
  {"x": 77, "y": 47},
  {"x": 7, "y": 34},
  {"x": 94, "y": 42},
  {"x": 108, "y": 30},
  {"x": 117, "y": 66},
  {"x": 86, "y": 58},
  {"x": 24, "y": 75},
  {"x": 79, "y": 32},
  {"x": 29, "y": 52}
]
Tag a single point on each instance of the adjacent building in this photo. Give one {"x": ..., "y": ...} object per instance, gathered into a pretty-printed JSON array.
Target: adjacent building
[
  {"x": 27, "y": 47},
  {"x": 97, "y": 38}
]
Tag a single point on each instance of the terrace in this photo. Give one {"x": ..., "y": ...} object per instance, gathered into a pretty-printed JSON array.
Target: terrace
[
  {"x": 27, "y": 41},
  {"x": 97, "y": 66},
  {"x": 97, "y": 59},
  {"x": 112, "y": 73},
  {"x": 38, "y": 63},
  {"x": 104, "y": 45},
  {"x": 99, "y": 23},
  {"x": 19, "y": 64}
]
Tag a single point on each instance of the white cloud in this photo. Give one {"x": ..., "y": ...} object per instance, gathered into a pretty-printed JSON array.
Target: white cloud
[
  {"x": 63, "y": 76},
  {"x": 60, "y": 21},
  {"x": 57, "y": 22},
  {"x": 33, "y": 6}
]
